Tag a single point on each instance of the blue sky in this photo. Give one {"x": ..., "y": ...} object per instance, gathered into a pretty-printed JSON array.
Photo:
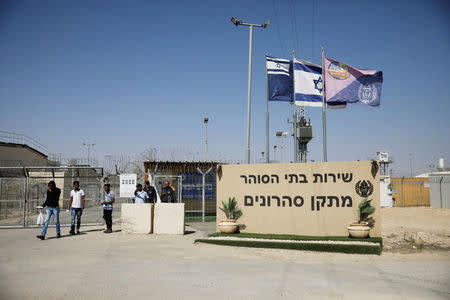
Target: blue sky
[{"x": 129, "y": 75}]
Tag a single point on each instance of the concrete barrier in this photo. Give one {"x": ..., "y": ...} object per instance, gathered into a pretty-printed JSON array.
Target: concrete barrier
[
  {"x": 137, "y": 218},
  {"x": 169, "y": 218}
]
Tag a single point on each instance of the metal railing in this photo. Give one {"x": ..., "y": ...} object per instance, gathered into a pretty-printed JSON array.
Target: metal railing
[{"x": 15, "y": 138}]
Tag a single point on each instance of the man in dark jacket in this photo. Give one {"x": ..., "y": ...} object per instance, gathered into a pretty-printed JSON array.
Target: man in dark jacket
[
  {"x": 52, "y": 204},
  {"x": 151, "y": 192},
  {"x": 168, "y": 193}
]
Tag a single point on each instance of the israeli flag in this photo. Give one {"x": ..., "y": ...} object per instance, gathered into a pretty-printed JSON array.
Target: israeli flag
[
  {"x": 279, "y": 79},
  {"x": 308, "y": 83}
]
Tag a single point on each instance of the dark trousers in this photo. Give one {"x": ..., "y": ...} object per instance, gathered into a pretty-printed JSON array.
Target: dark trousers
[{"x": 107, "y": 215}]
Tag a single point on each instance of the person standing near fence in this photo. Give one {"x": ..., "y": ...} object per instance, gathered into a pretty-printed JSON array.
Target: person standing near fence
[
  {"x": 52, "y": 204},
  {"x": 151, "y": 192},
  {"x": 168, "y": 193},
  {"x": 76, "y": 206},
  {"x": 108, "y": 207},
  {"x": 140, "y": 196}
]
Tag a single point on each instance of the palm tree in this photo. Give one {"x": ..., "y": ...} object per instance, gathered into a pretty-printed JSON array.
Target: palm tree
[{"x": 231, "y": 210}]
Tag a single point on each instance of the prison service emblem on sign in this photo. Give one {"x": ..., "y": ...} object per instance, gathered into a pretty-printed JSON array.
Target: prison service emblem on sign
[{"x": 364, "y": 188}]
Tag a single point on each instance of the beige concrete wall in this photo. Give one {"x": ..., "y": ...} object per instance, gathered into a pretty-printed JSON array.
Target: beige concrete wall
[
  {"x": 136, "y": 218},
  {"x": 169, "y": 218},
  {"x": 25, "y": 154},
  {"x": 307, "y": 212}
]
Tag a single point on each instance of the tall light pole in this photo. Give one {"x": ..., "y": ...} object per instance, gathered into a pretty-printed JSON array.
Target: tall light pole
[
  {"x": 205, "y": 121},
  {"x": 410, "y": 164},
  {"x": 89, "y": 151},
  {"x": 274, "y": 148},
  {"x": 281, "y": 135},
  {"x": 237, "y": 23}
]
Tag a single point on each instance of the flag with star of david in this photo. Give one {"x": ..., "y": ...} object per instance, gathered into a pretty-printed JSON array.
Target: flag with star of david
[
  {"x": 308, "y": 85},
  {"x": 279, "y": 79}
]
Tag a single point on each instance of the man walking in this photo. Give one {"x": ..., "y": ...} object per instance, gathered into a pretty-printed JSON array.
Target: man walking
[
  {"x": 151, "y": 192},
  {"x": 140, "y": 196},
  {"x": 108, "y": 207},
  {"x": 52, "y": 204},
  {"x": 77, "y": 204}
]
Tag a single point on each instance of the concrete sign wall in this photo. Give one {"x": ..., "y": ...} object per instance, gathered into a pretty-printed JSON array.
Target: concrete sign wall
[{"x": 317, "y": 199}]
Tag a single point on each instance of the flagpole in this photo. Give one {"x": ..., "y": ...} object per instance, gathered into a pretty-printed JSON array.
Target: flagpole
[
  {"x": 324, "y": 116},
  {"x": 267, "y": 117},
  {"x": 295, "y": 111}
]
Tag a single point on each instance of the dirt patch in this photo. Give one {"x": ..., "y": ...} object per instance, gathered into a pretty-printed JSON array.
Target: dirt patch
[{"x": 415, "y": 229}]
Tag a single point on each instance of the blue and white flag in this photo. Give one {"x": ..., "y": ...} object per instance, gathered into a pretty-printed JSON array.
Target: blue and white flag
[
  {"x": 279, "y": 79},
  {"x": 308, "y": 85}
]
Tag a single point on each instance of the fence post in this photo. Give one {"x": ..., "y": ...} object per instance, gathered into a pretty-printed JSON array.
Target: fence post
[
  {"x": 24, "y": 198},
  {"x": 421, "y": 197},
  {"x": 25, "y": 204},
  {"x": 203, "y": 191},
  {"x": 180, "y": 189},
  {"x": 6, "y": 206},
  {"x": 403, "y": 199}
]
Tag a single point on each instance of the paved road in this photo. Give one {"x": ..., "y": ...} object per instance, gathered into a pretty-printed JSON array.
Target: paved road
[{"x": 95, "y": 265}]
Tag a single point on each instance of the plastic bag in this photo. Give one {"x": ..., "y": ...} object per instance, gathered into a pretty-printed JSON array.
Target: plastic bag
[{"x": 40, "y": 219}]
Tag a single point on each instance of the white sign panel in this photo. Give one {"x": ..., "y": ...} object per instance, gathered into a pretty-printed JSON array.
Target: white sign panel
[{"x": 127, "y": 185}]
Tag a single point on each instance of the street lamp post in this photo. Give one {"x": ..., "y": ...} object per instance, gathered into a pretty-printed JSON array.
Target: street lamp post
[
  {"x": 274, "y": 148},
  {"x": 89, "y": 151},
  {"x": 281, "y": 135},
  {"x": 237, "y": 23},
  {"x": 205, "y": 121}
]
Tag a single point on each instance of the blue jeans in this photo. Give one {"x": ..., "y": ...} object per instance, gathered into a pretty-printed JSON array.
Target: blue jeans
[
  {"x": 76, "y": 212},
  {"x": 48, "y": 214}
]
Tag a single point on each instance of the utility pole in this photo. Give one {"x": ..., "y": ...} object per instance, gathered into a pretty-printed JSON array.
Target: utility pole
[
  {"x": 274, "y": 148},
  {"x": 237, "y": 23},
  {"x": 205, "y": 121},
  {"x": 410, "y": 164},
  {"x": 281, "y": 135}
]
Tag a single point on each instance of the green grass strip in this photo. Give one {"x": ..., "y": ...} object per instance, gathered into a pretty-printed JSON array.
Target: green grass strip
[
  {"x": 378, "y": 240},
  {"x": 339, "y": 248}
]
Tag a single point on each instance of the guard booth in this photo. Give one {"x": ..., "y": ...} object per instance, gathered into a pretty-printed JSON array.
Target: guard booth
[{"x": 195, "y": 185}]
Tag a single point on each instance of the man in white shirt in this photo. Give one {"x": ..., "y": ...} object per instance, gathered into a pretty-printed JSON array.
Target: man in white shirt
[
  {"x": 76, "y": 206},
  {"x": 140, "y": 196},
  {"x": 110, "y": 198}
]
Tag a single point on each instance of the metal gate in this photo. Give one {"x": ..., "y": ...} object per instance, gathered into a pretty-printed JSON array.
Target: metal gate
[{"x": 23, "y": 189}]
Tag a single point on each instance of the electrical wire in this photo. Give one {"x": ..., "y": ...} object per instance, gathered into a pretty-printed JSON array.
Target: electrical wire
[
  {"x": 294, "y": 25},
  {"x": 275, "y": 11},
  {"x": 313, "y": 31}
]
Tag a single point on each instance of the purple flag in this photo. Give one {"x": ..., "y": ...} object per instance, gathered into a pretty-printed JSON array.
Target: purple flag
[{"x": 345, "y": 84}]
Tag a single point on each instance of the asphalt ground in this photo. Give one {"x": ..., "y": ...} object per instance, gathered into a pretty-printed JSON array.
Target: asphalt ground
[{"x": 95, "y": 265}]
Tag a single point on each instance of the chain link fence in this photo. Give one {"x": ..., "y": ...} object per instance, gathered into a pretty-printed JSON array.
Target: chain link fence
[
  {"x": 195, "y": 182},
  {"x": 410, "y": 191},
  {"x": 22, "y": 190}
]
